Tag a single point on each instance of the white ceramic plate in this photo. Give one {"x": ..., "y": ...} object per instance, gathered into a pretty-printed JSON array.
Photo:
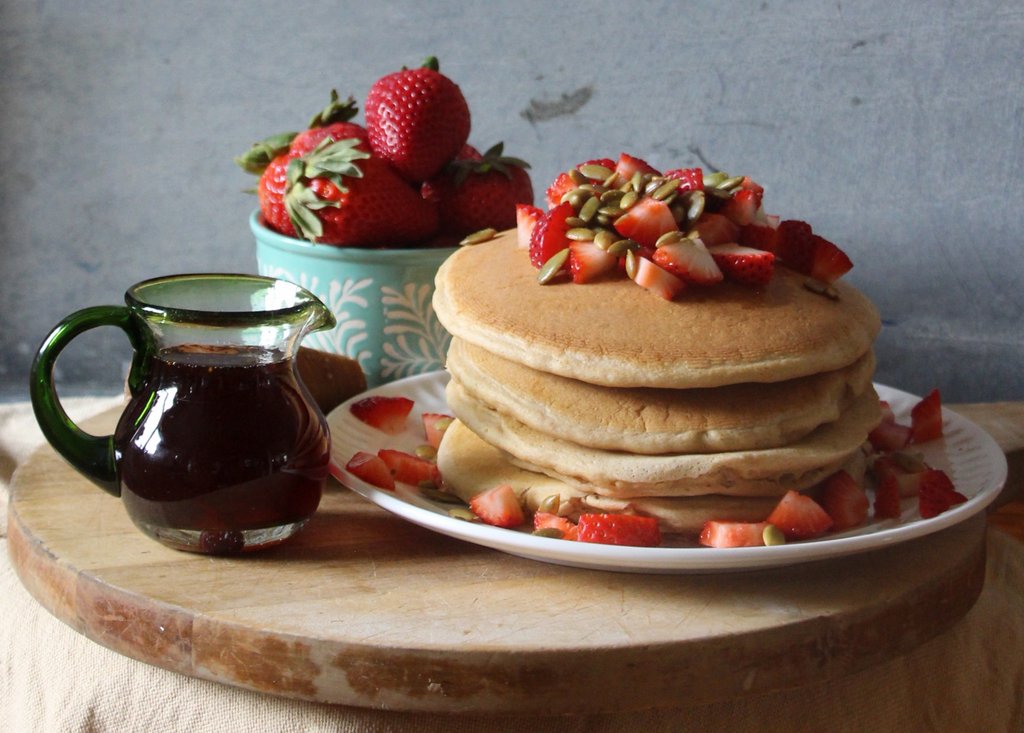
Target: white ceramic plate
[{"x": 970, "y": 456}]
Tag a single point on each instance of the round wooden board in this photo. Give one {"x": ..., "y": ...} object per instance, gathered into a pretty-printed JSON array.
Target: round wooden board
[{"x": 365, "y": 609}]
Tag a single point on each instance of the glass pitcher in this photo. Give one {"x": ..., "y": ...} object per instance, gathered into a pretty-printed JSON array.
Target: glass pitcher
[{"x": 220, "y": 448}]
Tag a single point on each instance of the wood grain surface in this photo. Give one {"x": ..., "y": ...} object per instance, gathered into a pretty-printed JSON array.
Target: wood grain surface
[{"x": 365, "y": 609}]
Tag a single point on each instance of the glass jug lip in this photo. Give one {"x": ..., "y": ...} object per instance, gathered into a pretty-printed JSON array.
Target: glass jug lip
[{"x": 136, "y": 298}]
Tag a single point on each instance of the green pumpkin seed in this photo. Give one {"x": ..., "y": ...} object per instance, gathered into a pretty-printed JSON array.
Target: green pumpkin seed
[
  {"x": 912, "y": 462},
  {"x": 669, "y": 238},
  {"x": 631, "y": 264},
  {"x": 772, "y": 535},
  {"x": 462, "y": 513},
  {"x": 612, "y": 211},
  {"x": 595, "y": 171},
  {"x": 550, "y": 504},
  {"x": 730, "y": 183},
  {"x": 580, "y": 234},
  {"x": 696, "y": 206},
  {"x": 577, "y": 177},
  {"x": 821, "y": 288},
  {"x": 426, "y": 452},
  {"x": 605, "y": 239},
  {"x": 622, "y": 246},
  {"x": 443, "y": 497},
  {"x": 579, "y": 197},
  {"x": 610, "y": 180},
  {"x": 574, "y": 221},
  {"x": 637, "y": 181},
  {"x": 589, "y": 209},
  {"x": 483, "y": 235},
  {"x": 613, "y": 196},
  {"x": 713, "y": 179},
  {"x": 628, "y": 200},
  {"x": 551, "y": 532},
  {"x": 553, "y": 266}
]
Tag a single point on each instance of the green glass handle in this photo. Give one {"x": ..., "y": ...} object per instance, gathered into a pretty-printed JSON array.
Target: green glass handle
[{"x": 94, "y": 456}]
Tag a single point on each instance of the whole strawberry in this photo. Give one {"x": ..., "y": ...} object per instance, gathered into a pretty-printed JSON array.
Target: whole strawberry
[
  {"x": 333, "y": 122},
  {"x": 475, "y": 191},
  {"x": 270, "y": 191},
  {"x": 417, "y": 120},
  {"x": 339, "y": 194}
]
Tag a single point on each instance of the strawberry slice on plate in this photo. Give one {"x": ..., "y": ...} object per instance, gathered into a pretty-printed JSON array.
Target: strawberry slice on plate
[
  {"x": 498, "y": 506},
  {"x": 716, "y": 533},
  {"x": 887, "y": 498},
  {"x": 409, "y": 469},
  {"x": 799, "y": 517},
  {"x": 387, "y": 414},
  {"x": 926, "y": 418},
  {"x": 434, "y": 425},
  {"x": 844, "y": 501},
  {"x": 371, "y": 469},
  {"x": 546, "y": 520},
  {"x": 619, "y": 529},
  {"x": 936, "y": 493}
]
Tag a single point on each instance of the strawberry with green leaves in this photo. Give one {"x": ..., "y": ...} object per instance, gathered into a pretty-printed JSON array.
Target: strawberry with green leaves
[
  {"x": 417, "y": 120},
  {"x": 339, "y": 194},
  {"x": 475, "y": 191}
]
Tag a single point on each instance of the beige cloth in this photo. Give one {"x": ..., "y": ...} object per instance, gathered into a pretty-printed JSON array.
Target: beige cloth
[{"x": 54, "y": 679}]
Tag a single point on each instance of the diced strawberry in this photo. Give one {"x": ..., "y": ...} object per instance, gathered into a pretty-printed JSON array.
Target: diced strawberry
[
  {"x": 548, "y": 235},
  {"x": 628, "y": 165},
  {"x": 387, "y": 414},
  {"x": 732, "y": 534},
  {"x": 371, "y": 469},
  {"x": 844, "y": 500},
  {"x": 805, "y": 252},
  {"x": 926, "y": 418},
  {"x": 527, "y": 216},
  {"x": 830, "y": 263},
  {"x": 887, "y": 498},
  {"x": 603, "y": 162},
  {"x": 657, "y": 280},
  {"x": 645, "y": 221},
  {"x": 498, "y": 506},
  {"x": 407, "y": 468},
  {"x": 434, "y": 425},
  {"x": 562, "y": 184},
  {"x": 690, "y": 260},
  {"x": 755, "y": 189},
  {"x": 546, "y": 520},
  {"x": 758, "y": 236},
  {"x": 799, "y": 517},
  {"x": 885, "y": 466},
  {"x": 619, "y": 529},
  {"x": 691, "y": 179},
  {"x": 889, "y": 436},
  {"x": 936, "y": 493},
  {"x": 744, "y": 265},
  {"x": 741, "y": 208},
  {"x": 588, "y": 262},
  {"x": 887, "y": 414},
  {"x": 715, "y": 229}
]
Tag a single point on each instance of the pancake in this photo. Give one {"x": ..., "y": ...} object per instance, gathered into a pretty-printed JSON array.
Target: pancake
[
  {"x": 747, "y": 416},
  {"x": 470, "y": 466},
  {"x": 615, "y": 333},
  {"x": 623, "y": 475}
]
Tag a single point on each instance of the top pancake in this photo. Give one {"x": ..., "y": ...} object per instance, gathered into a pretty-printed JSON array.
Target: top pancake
[{"x": 615, "y": 333}]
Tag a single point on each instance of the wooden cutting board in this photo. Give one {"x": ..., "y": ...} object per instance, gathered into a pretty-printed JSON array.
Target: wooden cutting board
[{"x": 365, "y": 609}]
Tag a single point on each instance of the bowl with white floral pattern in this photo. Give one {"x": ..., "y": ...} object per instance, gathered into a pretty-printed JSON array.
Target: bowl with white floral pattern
[{"x": 380, "y": 297}]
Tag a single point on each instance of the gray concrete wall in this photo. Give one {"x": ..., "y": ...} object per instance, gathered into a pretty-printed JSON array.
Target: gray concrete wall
[{"x": 897, "y": 129}]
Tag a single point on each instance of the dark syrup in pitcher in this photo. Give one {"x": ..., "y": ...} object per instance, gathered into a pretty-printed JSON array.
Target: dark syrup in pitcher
[{"x": 220, "y": 441}]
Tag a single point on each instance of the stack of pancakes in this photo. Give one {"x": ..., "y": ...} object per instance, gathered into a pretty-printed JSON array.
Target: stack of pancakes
[{"x": 710, "y": 406}]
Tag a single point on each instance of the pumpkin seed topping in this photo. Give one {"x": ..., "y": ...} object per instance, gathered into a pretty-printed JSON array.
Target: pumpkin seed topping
[
  {"x": 462, "y": 513},
  {"x": 595, "y": 171},
  {"x": 581, "y": 234},
  {"x": 631, "y": 264},
  {"x": 589, "y": 208},
  {"x": 552, "y": 532},
  {"x": 479, "y": 237},
  {"x": 550, "y": 504},
  {"x": 427, "y": 452},
  {"x": 553, "y": 266},
  {"x": 821, "y": 288},
  {"x": 772, "y": 535},
  {"x": 444, "y": 497}
]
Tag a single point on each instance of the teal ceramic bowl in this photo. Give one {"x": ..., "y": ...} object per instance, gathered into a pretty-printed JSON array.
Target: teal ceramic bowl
[{"x": 381, "y": 299}]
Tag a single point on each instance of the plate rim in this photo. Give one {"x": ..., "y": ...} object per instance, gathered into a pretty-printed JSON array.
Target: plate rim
[{"x": 665, "y": 559}]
